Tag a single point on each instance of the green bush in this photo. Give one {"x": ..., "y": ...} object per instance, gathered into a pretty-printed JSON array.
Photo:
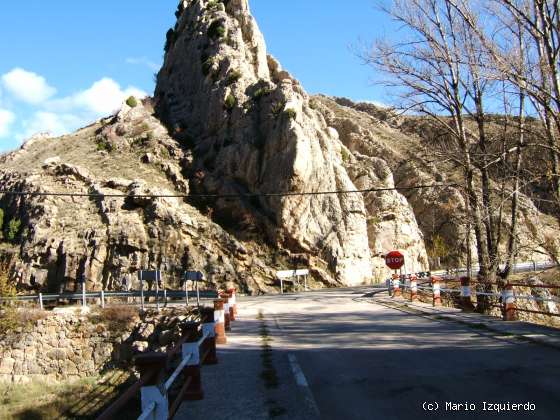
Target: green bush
[
  {"x": 262, "y": 91},
  {"x": 216, "y": 30},
  {"x": 291, "y": 113},
  {"x": 13, "y": 229},
  {"x": 230, "y": 102},
  {"x": 207, "y": 65},
  {"x": 232, "y": 77},
  {"x": 132, "y": 102},
  {"x": 277, "y": 108},
  {"x": 213, "y": 5},
  {"x": 345, "y": 155},
  {"x": 1, "y": 219}
]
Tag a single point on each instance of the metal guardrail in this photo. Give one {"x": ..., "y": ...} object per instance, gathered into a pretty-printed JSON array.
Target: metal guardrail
[
  {"x": 524, "y": 267},
  {"x": 102, "y": 296}
]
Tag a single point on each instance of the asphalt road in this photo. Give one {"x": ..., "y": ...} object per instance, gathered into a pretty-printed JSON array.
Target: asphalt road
[{"x": 343, "y": 356}]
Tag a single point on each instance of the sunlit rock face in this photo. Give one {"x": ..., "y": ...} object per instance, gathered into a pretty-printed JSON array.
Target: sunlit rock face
[{"x": 253, "y": 129}]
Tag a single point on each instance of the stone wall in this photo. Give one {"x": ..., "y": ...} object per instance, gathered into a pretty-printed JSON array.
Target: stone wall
[{"x": 70, "y": 346}]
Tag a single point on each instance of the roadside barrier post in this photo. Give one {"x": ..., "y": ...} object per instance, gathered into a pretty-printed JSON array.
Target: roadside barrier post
[
  {"x": 508, "y": 299},
  {"x": 413, "y": 288},
  {"x": 152, "y": 366},
  {"x": 192, "y": 370},
  {"x": 227, "y": 316},
  {"x": 436, "y": 286},
  {"x": 389, "y": 284},
  {"x": 102, "y": 299},
  {"x": 208, "y": 328},
  {"x": 232, "y": 303},
  {"x": 466, "y": 301},
  {"x": 396, "y": 285},
  {"x": 41, "y": 301},
  {"x": 219, "y": 319}
]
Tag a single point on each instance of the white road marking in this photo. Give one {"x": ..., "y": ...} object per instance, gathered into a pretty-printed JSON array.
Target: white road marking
[{"x": 302, "y": 383}]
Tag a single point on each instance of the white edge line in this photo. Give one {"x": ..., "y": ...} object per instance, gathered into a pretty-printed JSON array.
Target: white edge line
[{"x": 302, "y": 383}]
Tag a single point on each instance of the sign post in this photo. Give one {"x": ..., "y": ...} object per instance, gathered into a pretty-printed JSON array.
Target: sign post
[{"x": 395, "y": 260}]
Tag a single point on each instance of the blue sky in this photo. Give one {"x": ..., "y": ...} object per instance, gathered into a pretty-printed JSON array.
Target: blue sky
[{"x": 65, "y": 63}]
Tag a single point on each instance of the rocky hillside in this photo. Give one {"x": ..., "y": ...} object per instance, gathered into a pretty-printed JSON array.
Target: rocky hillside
[{"x": 226, "y": 119}]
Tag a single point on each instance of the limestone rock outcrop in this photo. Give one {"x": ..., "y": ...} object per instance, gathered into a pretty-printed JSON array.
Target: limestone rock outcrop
[{"x": 253, "y": 130}]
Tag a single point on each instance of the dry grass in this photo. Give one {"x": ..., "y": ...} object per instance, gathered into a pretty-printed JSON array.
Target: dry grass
[
  {"x": 117, "y": 318},
  {"x": 12, "y": 318},
  {"x": 77, "y": 399}
]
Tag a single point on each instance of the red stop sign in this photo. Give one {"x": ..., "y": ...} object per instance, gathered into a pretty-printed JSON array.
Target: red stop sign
[{"x": 394, "y": 260}]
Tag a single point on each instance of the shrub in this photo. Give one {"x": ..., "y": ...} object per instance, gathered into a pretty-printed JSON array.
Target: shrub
[
  {"x": 232, "y": 77},
  {"x": 345, "y": 155},
  {"x": 117, "y": 318},
  {"x": 207, "y": 65},
  {"x": 230, "y": 102},
  {"x": 277, "y": 108},
  {"x": 262, "y": 91},
  {"x": 132, "y": 102},
  {"x": 1, "y": 219},
  {"x": 312, "y": 104},
  {"x": 13, "y": 229},
  {"x": 216, "y": 30},
  {"x": 7, "y": 289},
  {"x": 291, "y": 113},
  {"x": 213, "y": 5},
  {"x": 103, "y": 146}
]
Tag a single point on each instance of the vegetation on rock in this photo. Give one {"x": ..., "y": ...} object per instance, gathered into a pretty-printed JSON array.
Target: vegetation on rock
[{"x": 132, "y": 102}]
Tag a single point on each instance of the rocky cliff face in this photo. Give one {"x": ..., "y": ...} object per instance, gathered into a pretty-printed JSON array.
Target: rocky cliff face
[{"x": 253, "y": 131}]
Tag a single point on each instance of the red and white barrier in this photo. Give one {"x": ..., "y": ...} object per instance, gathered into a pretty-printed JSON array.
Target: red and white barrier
[
  {"x": 436, "y": 286},
  {"x": 227, "y": 309},
  {"x": 397, "y": 286},
  {"x": 413, "y": 288},
  {"x": 508, "y": 299},
  {"x": 232, "y": 304},
  {"x": 219, "y": 322}
]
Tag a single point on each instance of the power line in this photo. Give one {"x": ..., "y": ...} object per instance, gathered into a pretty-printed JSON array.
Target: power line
[{"x": 239, "y": 195}]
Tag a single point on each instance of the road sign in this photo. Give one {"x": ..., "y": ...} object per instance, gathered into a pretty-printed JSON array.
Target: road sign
[
  {"x": 394, "y": 260},
  {"x": 193, "y": 275}
]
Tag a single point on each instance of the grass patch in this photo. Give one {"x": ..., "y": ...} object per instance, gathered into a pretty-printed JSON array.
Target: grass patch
[
  {"x": 233, "y": 77},
  {"x": 81, "y": 398},
  {"x": 207, "y": 65},
  {"x": 12, "y": 318},
  {"x": 116, "y": 318},
  {"x": 277, "y": 108},
  {"x": 262, "y": 92}
]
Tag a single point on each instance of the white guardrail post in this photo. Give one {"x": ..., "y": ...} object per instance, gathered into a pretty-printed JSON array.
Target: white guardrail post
[
  {"x": 155, "y": 404},
  {"x": 191, "y": 350}
]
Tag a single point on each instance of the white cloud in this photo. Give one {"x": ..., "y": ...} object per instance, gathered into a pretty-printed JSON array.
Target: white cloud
[
  {"x": 56, "y": 115},
  {"x": 7, "y": 118},
  {"x": 27, "y": 86},
  {"x": 144, "y": 61},
  {"x": 55, "y": 124},
  {"x": 103, "y": 97}
]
